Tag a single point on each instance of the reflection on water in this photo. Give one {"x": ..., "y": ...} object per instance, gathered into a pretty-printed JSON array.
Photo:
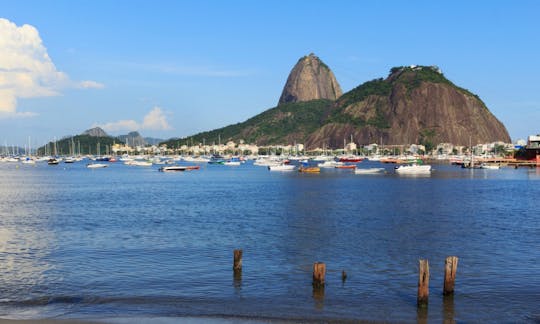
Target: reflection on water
[
  {"x": 129, "y": 241},
  {"x": 318, "y": 296},
  {"x": 448, "y": 309},
  {"x": 26, "y": 242}
]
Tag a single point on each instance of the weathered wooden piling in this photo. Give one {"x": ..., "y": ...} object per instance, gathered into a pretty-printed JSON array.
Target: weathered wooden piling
[
  {"x": 423, "y": 283},
  {"x": 237, "y": 263},
  {"x": 319, "y": 272},
  {"x": 450, "y": 268}
]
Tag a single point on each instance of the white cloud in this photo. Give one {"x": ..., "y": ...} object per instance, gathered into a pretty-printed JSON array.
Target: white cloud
[
  {"x": 154, "y": 120},
  {"x": 26, "y": 70},
  {"x": 91, "y": 85}
]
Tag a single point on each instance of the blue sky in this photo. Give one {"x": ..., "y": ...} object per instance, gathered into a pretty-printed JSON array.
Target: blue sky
[{"x": 175, "y": 68}]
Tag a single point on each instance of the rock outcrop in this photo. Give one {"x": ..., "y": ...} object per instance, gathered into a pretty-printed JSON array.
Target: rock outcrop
[
  {"x": 413, "y": 105},
  {"x": 95, "y": 132},
  {"x": 310, "y": 79}
]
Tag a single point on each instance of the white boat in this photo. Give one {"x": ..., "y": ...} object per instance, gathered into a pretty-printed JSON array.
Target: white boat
[
  {"x": 178, "y": 168},
  {"x": 281, "y": 167},
  {"x": 28, "y": 161},
  {"x": 96, "y": 165},
  {"x": 267, "y": 161},
  {"x": 490, "y": 166},
  {"x": 369, "y": 171},
  {"x": 330, "y": 164},
  {"x": 138, "y": 163},
  {"x": 232, "y": 163},
  {"x": 413, "y": 169}
]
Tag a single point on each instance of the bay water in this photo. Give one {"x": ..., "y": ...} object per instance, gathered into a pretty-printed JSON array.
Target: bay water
[{"x": 124, "y": 241}]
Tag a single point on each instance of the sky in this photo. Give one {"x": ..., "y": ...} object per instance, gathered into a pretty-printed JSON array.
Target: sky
[{"x": 176, "y": 68}]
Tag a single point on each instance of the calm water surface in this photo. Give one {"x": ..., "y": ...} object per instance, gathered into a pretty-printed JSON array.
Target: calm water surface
[{"x": 130, "y": 241}]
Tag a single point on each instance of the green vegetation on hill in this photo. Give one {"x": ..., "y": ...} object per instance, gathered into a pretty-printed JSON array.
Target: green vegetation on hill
[
  {"x": 377, "y": 87},
  {"x": 412, "y": 77},
  {"x": 85, "y": 144},
  {"x": 274, "y": 126}
]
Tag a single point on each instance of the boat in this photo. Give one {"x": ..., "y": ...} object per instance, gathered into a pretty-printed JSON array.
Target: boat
[
  {"x": 413, "y": 169},
  {"x": 345, "y": 166},
  {"x": 233, "y": 162},
  {"x": 217, "y": 159},
  {"x": 52, "y": 161},
  {"x": 28, "y": 161},
  {"x": 351, "y": 158},
  {"x": 490, "y": 166},
  {"x": 309, "y": 169},
  {"x": 179, "y": 168},
  {"x": 138, "y": 163},
  {"x": 281, "y": 167},
  {"x": 369, "y": 171},
  {"x": 70, "y": 160},
  {"x": 96, "y": 165},
  {"x": 329, "y": 164}
]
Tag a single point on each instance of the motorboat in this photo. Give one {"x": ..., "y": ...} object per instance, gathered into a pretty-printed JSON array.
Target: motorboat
[
  {"x": 179, "y": 168},
  {"x": 351, "y": 158},
  {"x": 413, "y": 169},
  {"x": 96, "y": 165},
  {"x": 490, "y": 166},
  {"x": 346, "y": 166},
  {"x": 309, "y": 169},
  {"x": 369, "y": 171},
  {"x": 330, "y": 164},
  {"x": 281, "y": 167}
]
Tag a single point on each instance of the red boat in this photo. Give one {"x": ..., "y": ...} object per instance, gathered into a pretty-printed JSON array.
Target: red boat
[
  {"x": 346, "y": 166},
  {"x": 353, "y": 159}
]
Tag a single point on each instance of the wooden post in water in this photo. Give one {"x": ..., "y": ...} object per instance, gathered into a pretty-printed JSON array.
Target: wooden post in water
[
  {"x": 237, "y": 263},
  {"x": 319, "y": 272},
  {"x": 423, "y": 283},
  {"x": 450, "y": 268}
]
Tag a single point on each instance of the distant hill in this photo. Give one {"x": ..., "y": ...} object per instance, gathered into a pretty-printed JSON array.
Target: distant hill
[
  {"x": 84, "y": 143},
  {"x": 91, "y": 141},
  {"x": 135, "y": 139},
  {"x": 414, "y": 104}
]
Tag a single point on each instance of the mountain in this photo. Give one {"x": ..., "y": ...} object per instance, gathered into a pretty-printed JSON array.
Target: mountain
[
  {"x": 91, "y": 141},
  {"x": 96, "y": 132},
  {"x": 310, "y": 79},
  {"x": 413, "y": 105},
  {"x": 133, "y": 139},
  {"x": 153, "y": 140}
]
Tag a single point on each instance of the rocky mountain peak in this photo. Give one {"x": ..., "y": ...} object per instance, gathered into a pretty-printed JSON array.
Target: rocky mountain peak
[
  {"x": 95, "y": 132},
  {"x": 310, "y": 79}
]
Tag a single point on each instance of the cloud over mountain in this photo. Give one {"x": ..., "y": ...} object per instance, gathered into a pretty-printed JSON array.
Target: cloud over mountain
[{"x": 156, "y": 119}]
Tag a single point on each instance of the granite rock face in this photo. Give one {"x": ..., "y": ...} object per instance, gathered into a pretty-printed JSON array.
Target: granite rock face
[
  {"x": 310, "y": 79},
  {"x": 95, "y": 132},
  {"x": 412, "y": 105}
]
